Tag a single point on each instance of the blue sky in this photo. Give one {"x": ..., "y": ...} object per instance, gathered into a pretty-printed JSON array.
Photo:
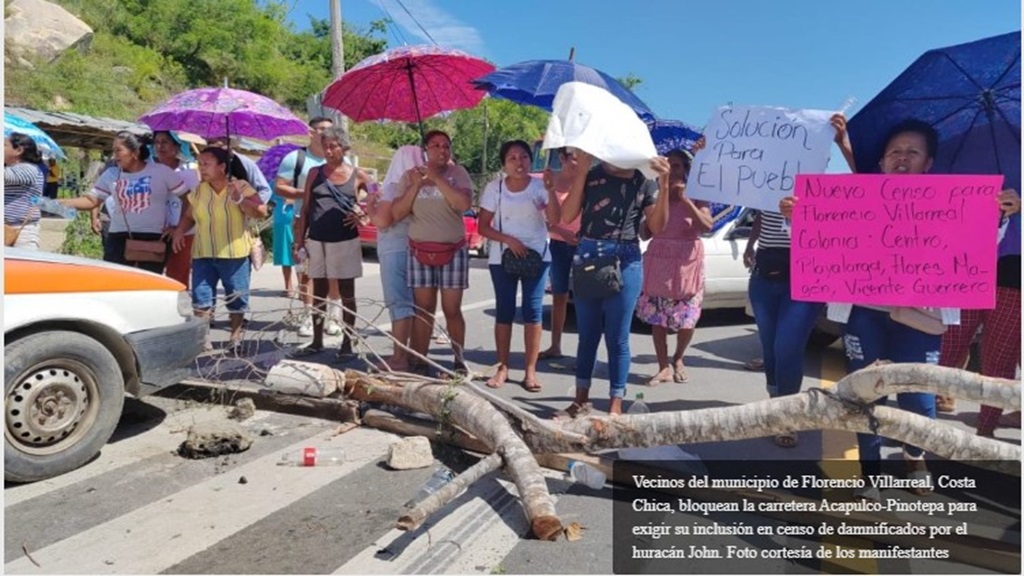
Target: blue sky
[{"x": 694, "y": 55}]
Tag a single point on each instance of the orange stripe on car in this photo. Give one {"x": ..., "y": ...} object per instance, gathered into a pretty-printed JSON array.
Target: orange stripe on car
[{"x": 33, "y": 277}]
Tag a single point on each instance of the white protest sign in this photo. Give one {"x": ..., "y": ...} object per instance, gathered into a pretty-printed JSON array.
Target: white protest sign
[{"x": 753, "y": 154}]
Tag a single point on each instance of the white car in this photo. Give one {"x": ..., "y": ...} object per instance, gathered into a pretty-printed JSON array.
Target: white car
[{"x": 78, "y": 335}]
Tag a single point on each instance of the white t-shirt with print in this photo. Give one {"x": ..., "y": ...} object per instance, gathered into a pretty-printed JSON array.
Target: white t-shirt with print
[
  {"x": 519, "y": 214},
  {"x": 190, "y": 176},
  {"x": 140, "y": 197}
]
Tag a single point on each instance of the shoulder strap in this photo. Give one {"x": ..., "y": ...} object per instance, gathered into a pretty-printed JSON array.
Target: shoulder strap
[
  {"x": 120, "y": 208},
  {"x": 300, "y": 160},
  {"x": 344, "y": 201}
]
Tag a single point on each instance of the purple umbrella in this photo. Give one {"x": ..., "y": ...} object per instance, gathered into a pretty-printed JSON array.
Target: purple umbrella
[
  {"x": 272, "y": 158},
  {"x": 216, "y": 112}
]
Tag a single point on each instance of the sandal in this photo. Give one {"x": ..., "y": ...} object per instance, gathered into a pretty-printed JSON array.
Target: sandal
[
  {"x": 531, "y": 385},
  {"x": 309, "y": 350},
  {"x": 917, "y": 471},
  {"x": 549, "y": 355},
  {"x": 679, "y": 375},
  {"x": 575, "y": 410},
  {"x": 345, "y": 352},
  {"x": 787, "y": 440},
  {"x": 868, "y": 494},
  {"x": 755, "y": 365},
  {"x": 498, "y": 380},
  {"x": 663, "y": 375}
]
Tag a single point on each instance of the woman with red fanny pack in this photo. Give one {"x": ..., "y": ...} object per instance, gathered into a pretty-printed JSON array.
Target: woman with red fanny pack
[{"x": 434, "y": 197}]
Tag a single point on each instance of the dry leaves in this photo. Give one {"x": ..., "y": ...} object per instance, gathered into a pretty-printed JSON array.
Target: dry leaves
[{"x": 574, "y": 531}]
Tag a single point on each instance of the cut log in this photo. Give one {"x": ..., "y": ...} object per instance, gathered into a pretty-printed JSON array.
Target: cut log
[
  {"x": 476, "y": 419},
  {"x": 412, "y": 426},
  {"x": 439, "y": 499}
]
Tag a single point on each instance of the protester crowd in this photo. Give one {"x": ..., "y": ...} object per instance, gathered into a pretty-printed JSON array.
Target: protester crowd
[{"x": 585, "y": 222}]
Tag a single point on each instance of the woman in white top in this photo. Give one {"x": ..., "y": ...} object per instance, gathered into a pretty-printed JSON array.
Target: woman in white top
[
  {"x": 141, "y": 190},
  {"x": 514, "y": 213}
]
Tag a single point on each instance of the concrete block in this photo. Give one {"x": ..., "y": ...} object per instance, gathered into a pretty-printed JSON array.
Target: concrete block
[{"x": 409, "y": 453}]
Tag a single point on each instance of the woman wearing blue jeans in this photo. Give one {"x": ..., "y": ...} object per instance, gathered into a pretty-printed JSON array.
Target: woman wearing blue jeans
[
  {"x": 514, "y": 212},
  {"x": 783, "y": 324},
  {"x": 611, "y": 202}
]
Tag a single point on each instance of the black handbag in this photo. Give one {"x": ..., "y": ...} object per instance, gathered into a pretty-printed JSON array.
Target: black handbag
[
  {"x": 597, "y": 278},
  {"x": 529, "y": 266},
  {"x": 772, "y": 264}
]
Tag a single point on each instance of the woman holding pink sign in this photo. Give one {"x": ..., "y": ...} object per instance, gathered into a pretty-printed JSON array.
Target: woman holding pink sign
[{"x": 897, "y": 334}]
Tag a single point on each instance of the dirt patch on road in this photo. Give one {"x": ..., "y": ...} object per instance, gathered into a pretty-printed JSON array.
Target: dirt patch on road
[{"x": 214, "y": 439}]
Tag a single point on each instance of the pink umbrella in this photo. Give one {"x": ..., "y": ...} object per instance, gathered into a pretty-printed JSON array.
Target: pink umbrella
[
  {"x": 408, "y": 84},
  {"x": 214, "y": 112}
]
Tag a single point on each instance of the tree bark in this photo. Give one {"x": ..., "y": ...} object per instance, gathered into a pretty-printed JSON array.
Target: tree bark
[{"x": 513, "y": 435}]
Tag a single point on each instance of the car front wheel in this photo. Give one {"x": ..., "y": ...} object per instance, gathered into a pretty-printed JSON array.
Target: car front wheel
[{"x": 64, "y": 392}]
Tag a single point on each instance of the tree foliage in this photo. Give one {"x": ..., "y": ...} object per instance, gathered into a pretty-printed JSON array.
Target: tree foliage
[{"x": 159, "y": 47}]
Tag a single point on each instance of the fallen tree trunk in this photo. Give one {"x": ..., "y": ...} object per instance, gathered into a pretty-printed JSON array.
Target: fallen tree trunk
[
  {"x": 450, "y": 403},
  {"x": 514, "y": 436}
]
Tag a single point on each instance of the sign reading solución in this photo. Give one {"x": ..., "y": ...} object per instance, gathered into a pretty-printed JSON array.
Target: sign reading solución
[
  {"x": 753, "y": 154},
  {"x": 896, "y": 240}
]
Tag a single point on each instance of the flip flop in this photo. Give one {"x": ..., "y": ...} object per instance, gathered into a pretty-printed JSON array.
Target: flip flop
[
  {"x": 787, "y": 440},
  {"x": 679, "y": 376},
  {"x": 307, "y": 351},
  {"x": 531, "y": 385},
  {"x": 548, "y": 355},
  {"x": 755, "y": 364},
  {"x": 654, "y": 381},
  {"x": 575, "y": 410},
  {"x": 495, "y": 382}
]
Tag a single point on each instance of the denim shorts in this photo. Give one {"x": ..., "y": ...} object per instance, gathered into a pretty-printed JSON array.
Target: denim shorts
[
  {"x": 233, "y": 273},
  {"x": 393, "y": 277},
  {"x": 561, "y": 266}
]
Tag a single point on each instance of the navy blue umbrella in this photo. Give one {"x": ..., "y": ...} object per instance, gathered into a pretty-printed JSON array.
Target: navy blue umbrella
[
  {"x": 535, "y": 82},
  {"x": 970, "y": 94},
  {"x": 669, "y": 135}
]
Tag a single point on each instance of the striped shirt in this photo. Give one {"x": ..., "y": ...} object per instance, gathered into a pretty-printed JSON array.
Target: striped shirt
[
  {"x": 774, "y": 231},
  {"x": 220, "y": 225},
  {"x": 23, "y": 188}
]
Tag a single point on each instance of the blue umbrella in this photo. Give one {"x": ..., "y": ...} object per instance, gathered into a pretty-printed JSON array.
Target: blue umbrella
[
  {"x": 669, "y": 135},
  {"x": 535, "y": 82},
  {"x": 47, "y": 147},
  {"x": 970, "y": 94}
]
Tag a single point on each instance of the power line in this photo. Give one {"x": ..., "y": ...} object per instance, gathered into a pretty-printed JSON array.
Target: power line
[
  {"x": 417, "y": 22},
  {"x": 389, "y": 22}
]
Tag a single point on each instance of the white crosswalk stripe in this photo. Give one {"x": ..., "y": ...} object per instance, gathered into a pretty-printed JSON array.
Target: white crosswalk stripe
[
  {"x": 190, "y": 521},
  {"x": 475, "y": 532}
]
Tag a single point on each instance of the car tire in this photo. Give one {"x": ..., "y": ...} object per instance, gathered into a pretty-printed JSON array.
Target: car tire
[
  {"x": 484, "y": 250},
  {"x": 73, "y": 383}
]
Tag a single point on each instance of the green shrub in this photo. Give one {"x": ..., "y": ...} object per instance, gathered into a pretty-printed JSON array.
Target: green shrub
[{"x": 79, "y": 239}]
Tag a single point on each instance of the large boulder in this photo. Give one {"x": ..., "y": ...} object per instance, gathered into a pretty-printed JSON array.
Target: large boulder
[{"x": 41, "y": 29}]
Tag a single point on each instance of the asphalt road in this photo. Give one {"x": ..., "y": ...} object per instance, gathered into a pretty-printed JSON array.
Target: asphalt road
[{"x": 141, "y": 508}]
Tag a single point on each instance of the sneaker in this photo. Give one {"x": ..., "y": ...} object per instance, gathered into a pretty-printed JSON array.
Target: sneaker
[
  {"x": 306, "y": 328},
  {"x": 331, "y": 328}
]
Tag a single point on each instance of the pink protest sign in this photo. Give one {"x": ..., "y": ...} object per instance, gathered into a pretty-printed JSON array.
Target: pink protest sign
[{"x": 897, "y": 240}]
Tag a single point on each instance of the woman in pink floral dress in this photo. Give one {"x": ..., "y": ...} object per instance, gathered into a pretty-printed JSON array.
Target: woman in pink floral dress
[{"x": 673, "y": 288}]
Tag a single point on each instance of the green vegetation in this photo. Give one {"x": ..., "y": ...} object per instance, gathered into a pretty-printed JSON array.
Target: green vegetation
[
  {"x": 144, "y": 51},
  {"x": 79, "y": 239}
]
